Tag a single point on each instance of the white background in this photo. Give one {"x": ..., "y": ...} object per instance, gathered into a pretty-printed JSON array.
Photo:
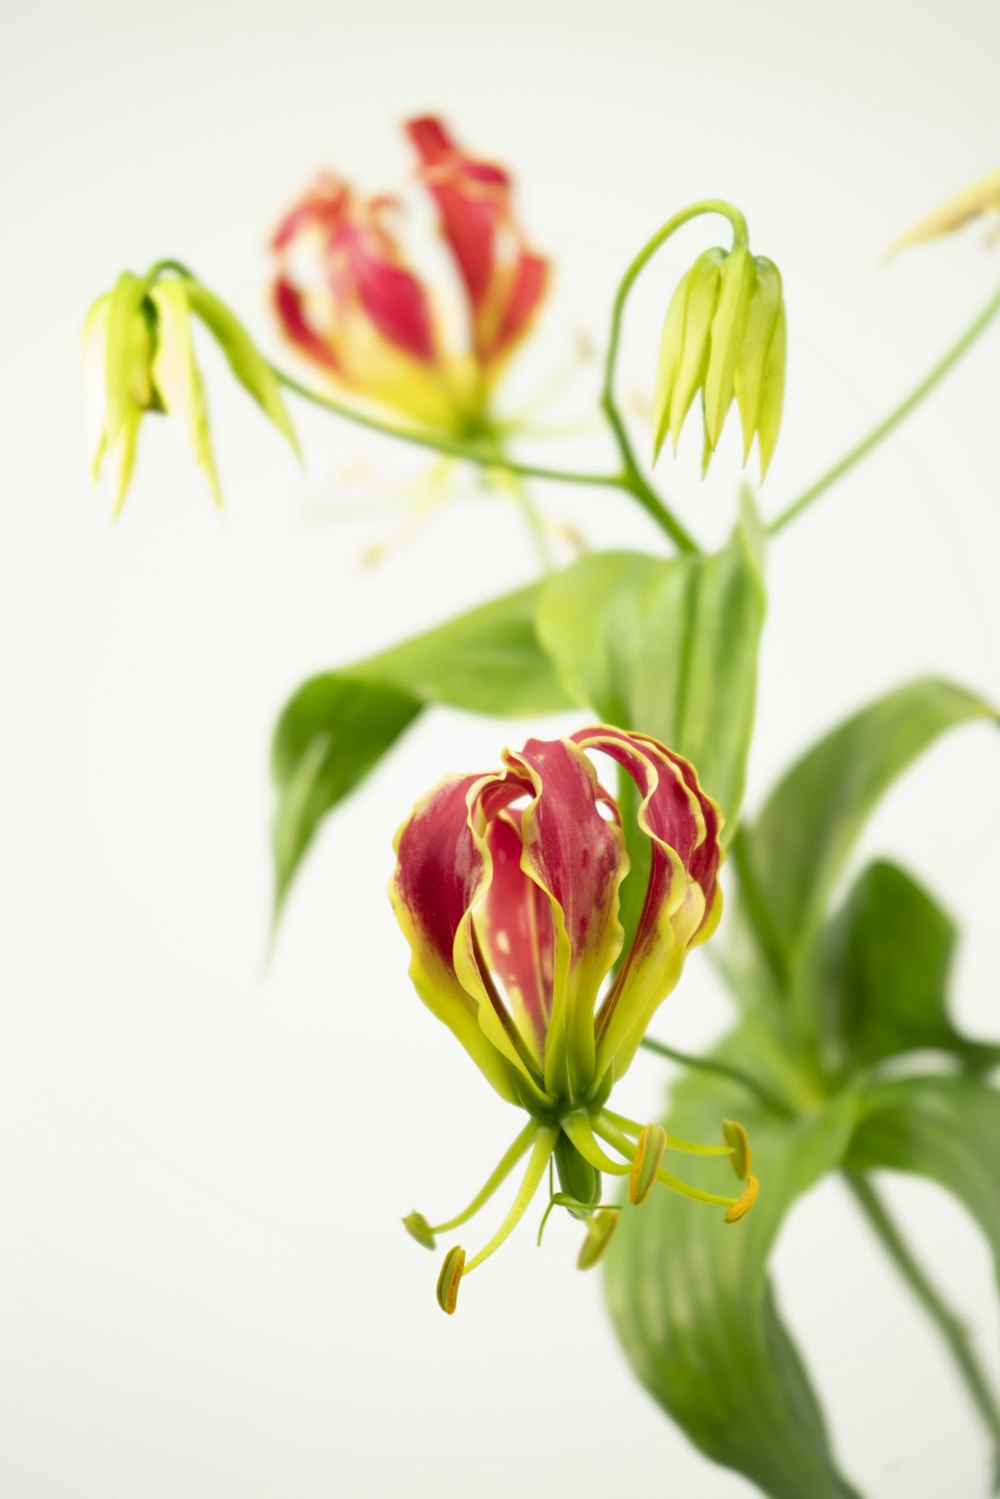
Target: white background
[{"x": 204, "y": 1288}]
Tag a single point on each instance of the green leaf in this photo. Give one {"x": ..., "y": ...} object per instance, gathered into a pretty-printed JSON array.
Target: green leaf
[
  {"x": 245, "y": 359},
  {"x": 488, "y": 660},
  {"x": 798, "y": 848},
  {"x": 696, "y": 1313},
  {"x": 338, "y": 725},
  {"x": 943, "y": 1128},
  {"x": 877, "y": 984},
  {"x": 328, "y": 738},
  {"x": 667, "y": 648}
]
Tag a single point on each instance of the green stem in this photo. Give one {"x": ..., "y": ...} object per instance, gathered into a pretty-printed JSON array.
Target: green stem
[
  {"x": 629, "y": 480},
  {"x": 951, "y": 1328},
  {"x": 721, "y": 1069},
  {"x": 454, "y": 447},
  {"x": 642, "y": 491},
  {"x": 898, "y": 413}
]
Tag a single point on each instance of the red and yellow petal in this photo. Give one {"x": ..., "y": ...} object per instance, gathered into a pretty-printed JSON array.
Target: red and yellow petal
[
  {"x": 438, "y": 872},
  {"x": 514, "y": 923},
  {"x": 578, "y": 859},
  {"x": 682, "y": 896}
]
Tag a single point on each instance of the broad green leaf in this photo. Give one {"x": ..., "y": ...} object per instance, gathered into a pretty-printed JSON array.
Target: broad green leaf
[
  {"x": 245, "y": 359},
  {"x": 944, "y": 1128},
  {"x": 328, "y": 738},
  {"x": 695, "y": 1310},
  {"x": 878, "y": 982},
  {"x": 667, "y": 648},
  {"x": 488, "y": 660},
  {"x": 800, "y": 844},
  {"x": 338, "y": 725}
]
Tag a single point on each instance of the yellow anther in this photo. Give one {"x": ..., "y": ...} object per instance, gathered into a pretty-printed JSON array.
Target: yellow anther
[
  {"x": 448, "y": 1280},
  {"x": 745, "y": 1203},
  {"x": 600, "y": 1227},
  {"x": 738, "y": 1141},
  {"x": 648, "y": 1156}
]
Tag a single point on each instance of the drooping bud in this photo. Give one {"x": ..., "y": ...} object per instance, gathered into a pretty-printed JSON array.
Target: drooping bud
[
  {"x": 648, "y": 1158},
  {"x": 418, "y": 1228},
  {"x": 449, "y": 1279},
  {"x": 725, "y": 336},
  {"x": 738, "y": 1141},
  {"x": 600, "y": 1227},
  {"x": 139, "y": 356}
]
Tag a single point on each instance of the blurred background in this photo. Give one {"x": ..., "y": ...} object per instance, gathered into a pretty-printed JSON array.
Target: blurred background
[{"x": 204, "y": 1286}]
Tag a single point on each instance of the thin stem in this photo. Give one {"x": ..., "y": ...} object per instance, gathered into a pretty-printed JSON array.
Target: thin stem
[
  {"x": 898, "y": 413},
  {"x": 952, "y": 1329},
  {"x": 495, "y": 1180},
  {"x": 642, "y": 491},
  {"x": 545, "y": 1140},
  {"x": 607, "y": 1131},
  {"x": 629, "y": 480},
  {"x": 722, "y": 1069},
  {"x": 674, "y": 1142},
  {"x": 437, "y": 442}
]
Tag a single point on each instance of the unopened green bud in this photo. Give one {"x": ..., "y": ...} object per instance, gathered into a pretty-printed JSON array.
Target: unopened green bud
[
  {"x": 736, "y": 288},
  {"x": 578, "y": 1178},
  {"x": 648, "y": 1158},
  {"x": 449, "y": 1279},
  {"x": 600, "y": 1227},
  {"x": 418, "y": 1228},
  {"x": 724, "y": 335},
  {"x": 685, "y": 347},
  {"x": 139, "y": 356}
]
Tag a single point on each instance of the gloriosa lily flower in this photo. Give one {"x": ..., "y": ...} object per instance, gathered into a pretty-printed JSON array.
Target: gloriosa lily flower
[
  {"x": 507, "y": 890},
  {"x": 138, "y": 355},
  {"x": 349, "y": 302}
]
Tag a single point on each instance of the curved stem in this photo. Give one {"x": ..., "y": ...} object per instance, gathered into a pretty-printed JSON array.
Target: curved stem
[
  {"x": 494, "y": 1181},
  {"x": 440, "y": 442},
  {"x": 642, "y": 491},
  {"x": 607, "y": 1131},
  {"x": 953, "y": 1331},
  {"x": 895, "y": 416},
  {"x": 545, "y": 1139},
  {"x": 629, "y": 480}
]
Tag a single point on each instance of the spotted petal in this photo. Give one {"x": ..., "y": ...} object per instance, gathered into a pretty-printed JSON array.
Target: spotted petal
[
  {"x": 682, "y": 903},
  {"x": 443, "y": 870},
  {"x": 578, "y": 859},
  {"x": 514, "y": 924}
]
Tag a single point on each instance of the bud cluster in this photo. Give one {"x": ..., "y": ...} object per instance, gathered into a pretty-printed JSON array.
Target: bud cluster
[{"x": 725, "y": 337}]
